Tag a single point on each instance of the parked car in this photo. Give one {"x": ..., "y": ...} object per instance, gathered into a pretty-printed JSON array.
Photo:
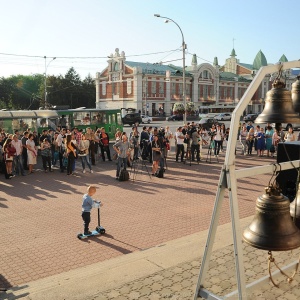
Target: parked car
[
  {"x": 250, "y": 117},
  {"x": 131, "y": 119},
  {"x": 223, "y": 117},
  {"x": 146, "y": 119},
  {"x": 175, "y": 118},
  {"x": 201, "y": 116},
  {"x": 207, "y": 123}
]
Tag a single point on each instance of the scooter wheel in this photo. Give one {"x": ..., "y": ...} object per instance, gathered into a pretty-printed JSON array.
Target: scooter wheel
[
  {"x": 79, "y": 236},
  {"x": 98, "y": 229}
]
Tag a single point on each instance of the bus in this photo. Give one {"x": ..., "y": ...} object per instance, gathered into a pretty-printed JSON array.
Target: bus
[
  {"x": 38, "y": 120},
  {"x": 213, "y": 110},
  {"x": 82, "y": 118},
  {"x": 32, "y": 120}
]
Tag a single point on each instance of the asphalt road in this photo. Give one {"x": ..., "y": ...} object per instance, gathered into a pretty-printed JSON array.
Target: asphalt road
[{"x": 172, "y": 124}]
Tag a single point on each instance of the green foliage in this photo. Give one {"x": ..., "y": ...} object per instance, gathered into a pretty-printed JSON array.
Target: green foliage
[
  {"x": 190, "y": 108},
  {"x": 28, "y": 91}
]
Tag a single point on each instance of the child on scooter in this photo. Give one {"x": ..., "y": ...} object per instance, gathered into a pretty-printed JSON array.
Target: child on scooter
[{"x": 87, "y": 205}]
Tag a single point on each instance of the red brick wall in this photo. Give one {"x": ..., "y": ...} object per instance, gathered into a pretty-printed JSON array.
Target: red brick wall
[{"x": 242, "y": 70}]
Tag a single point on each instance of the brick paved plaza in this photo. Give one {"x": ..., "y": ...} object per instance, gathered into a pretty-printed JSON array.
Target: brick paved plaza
[{"x": 41, "y": 214}]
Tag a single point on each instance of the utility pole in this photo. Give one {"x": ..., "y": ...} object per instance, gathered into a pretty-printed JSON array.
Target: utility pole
[{"x": 45, "y": 82}]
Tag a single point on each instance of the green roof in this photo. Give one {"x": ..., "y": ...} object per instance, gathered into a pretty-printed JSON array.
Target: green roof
[
  {"x": 232, "y": 77},
  {"x": 149, "y": 68},
  {"x": 283, "y": 58},
  {"x": 259, "y": 61},
  {"x": 194, "y": 59},
  {"x": 215, "y": 61},
  {"x": 233, "y": 53}
]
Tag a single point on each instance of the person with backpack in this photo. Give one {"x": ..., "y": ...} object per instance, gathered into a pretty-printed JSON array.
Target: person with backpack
[
  {"x": 123, "y": 149},
  {"x": 134, "y": 139}
]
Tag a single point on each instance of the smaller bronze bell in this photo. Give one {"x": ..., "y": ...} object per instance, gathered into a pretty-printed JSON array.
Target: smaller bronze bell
[
  {"x": 295, "y": 208},
  {"x": 278, "y": 106},
  {"x": 296, "y": 95},
  {"x": 272, "y": 227}
]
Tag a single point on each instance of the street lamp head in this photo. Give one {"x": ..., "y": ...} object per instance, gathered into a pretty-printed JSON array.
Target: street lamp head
[{"x": 157, "y": 15}]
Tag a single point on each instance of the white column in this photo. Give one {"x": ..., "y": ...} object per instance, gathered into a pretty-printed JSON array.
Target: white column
[
  {"x": 236, "y": 90},
  {"x": 217, "y": 85},
  {"x": 97, "y": 83},
  {"x": 168, "y": 93},
  {"x": 137, "y": 96},
  {"x": 195, "y": 90}
]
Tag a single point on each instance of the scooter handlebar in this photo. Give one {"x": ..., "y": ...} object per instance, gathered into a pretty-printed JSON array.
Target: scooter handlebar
[{"x": 96, "y": 204}]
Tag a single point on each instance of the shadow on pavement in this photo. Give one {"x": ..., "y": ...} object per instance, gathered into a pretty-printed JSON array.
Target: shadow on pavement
[{"x": 7, "y": 291}]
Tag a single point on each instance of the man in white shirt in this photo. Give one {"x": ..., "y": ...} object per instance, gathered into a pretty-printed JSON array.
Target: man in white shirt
[
  {"x": 18, "y": 160},
  {"x": 180, "y": 147}
]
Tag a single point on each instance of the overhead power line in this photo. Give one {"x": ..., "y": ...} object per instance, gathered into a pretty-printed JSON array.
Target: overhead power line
[
  {"x": 200, "y": 57},
  {"x": 83, "y": 57}
]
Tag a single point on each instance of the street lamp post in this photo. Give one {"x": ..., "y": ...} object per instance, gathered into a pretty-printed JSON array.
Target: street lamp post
[
  {"x": 45, "y": 82},
  {"x": 183, "y": 62}
]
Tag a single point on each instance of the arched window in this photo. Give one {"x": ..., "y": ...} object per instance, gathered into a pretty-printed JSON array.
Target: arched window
[
  {"x": 116, "y": 66},
  {"x": 205, "y": 75}
]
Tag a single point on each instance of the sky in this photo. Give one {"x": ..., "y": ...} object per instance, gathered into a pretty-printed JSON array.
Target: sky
[{"x": 81, "y": 34}]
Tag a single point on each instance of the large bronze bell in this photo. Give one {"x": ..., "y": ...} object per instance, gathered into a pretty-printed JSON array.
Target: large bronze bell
[
  {"x": 296, "y": 95},
  {"x": 295, "y": 208},
  {"x": 272, "y": 227},
  {"x": 278, "y": 106}
]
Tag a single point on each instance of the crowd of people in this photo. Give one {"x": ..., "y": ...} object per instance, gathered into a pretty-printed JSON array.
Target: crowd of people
[
  {"x": 151, "y": 144},
  {"x": 19, "y": 152},
  {"x": 264, "y": 139}
]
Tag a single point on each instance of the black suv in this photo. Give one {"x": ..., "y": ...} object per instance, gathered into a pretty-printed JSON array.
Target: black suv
[
  {"x": 207, "y": 123},
  {"x": 131, "y": 119},
  {"x": 175, "y": 118}
]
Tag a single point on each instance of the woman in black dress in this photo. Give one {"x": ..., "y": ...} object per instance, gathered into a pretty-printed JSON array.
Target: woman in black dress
[{"x": 156, "y": 154}]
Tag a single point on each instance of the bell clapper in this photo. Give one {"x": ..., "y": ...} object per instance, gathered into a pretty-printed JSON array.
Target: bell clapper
[{"x": 271, "y": 259}]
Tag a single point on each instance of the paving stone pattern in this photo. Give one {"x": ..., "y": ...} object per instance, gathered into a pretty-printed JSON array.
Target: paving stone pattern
[
  {"x": 41, "y": 214},
  {"x": 179, "y": 282}
]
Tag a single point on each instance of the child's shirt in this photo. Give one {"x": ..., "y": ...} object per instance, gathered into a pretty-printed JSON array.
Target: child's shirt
[{"x": 87, "y": 203}]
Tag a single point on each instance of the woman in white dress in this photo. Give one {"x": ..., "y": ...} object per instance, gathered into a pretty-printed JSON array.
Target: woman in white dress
[
  {"x": 290, "y": 136},
  {"x": 168, "y": 137},
  {"x": 31, "y": 153}
]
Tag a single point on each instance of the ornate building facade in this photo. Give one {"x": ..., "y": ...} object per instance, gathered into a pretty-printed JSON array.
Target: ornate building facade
[{"x": 155, "y": 88}]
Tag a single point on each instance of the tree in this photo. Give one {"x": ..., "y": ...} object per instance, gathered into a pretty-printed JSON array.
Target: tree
[
  {"x": 89, "y": 88},
  {"x": 6, "y": 92},
  {"x": 28, "y": 92},
  {"x": 18, "y": 92}
]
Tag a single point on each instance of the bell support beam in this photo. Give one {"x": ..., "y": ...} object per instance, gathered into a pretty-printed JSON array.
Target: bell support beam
[
  {"x": 211, "y": 233},
  {"x": 257, "y": 283},
  {"x": 236, "y": 231},
  {"x": 249, "y": 172},
  {"x": 229, "y": 181}
]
